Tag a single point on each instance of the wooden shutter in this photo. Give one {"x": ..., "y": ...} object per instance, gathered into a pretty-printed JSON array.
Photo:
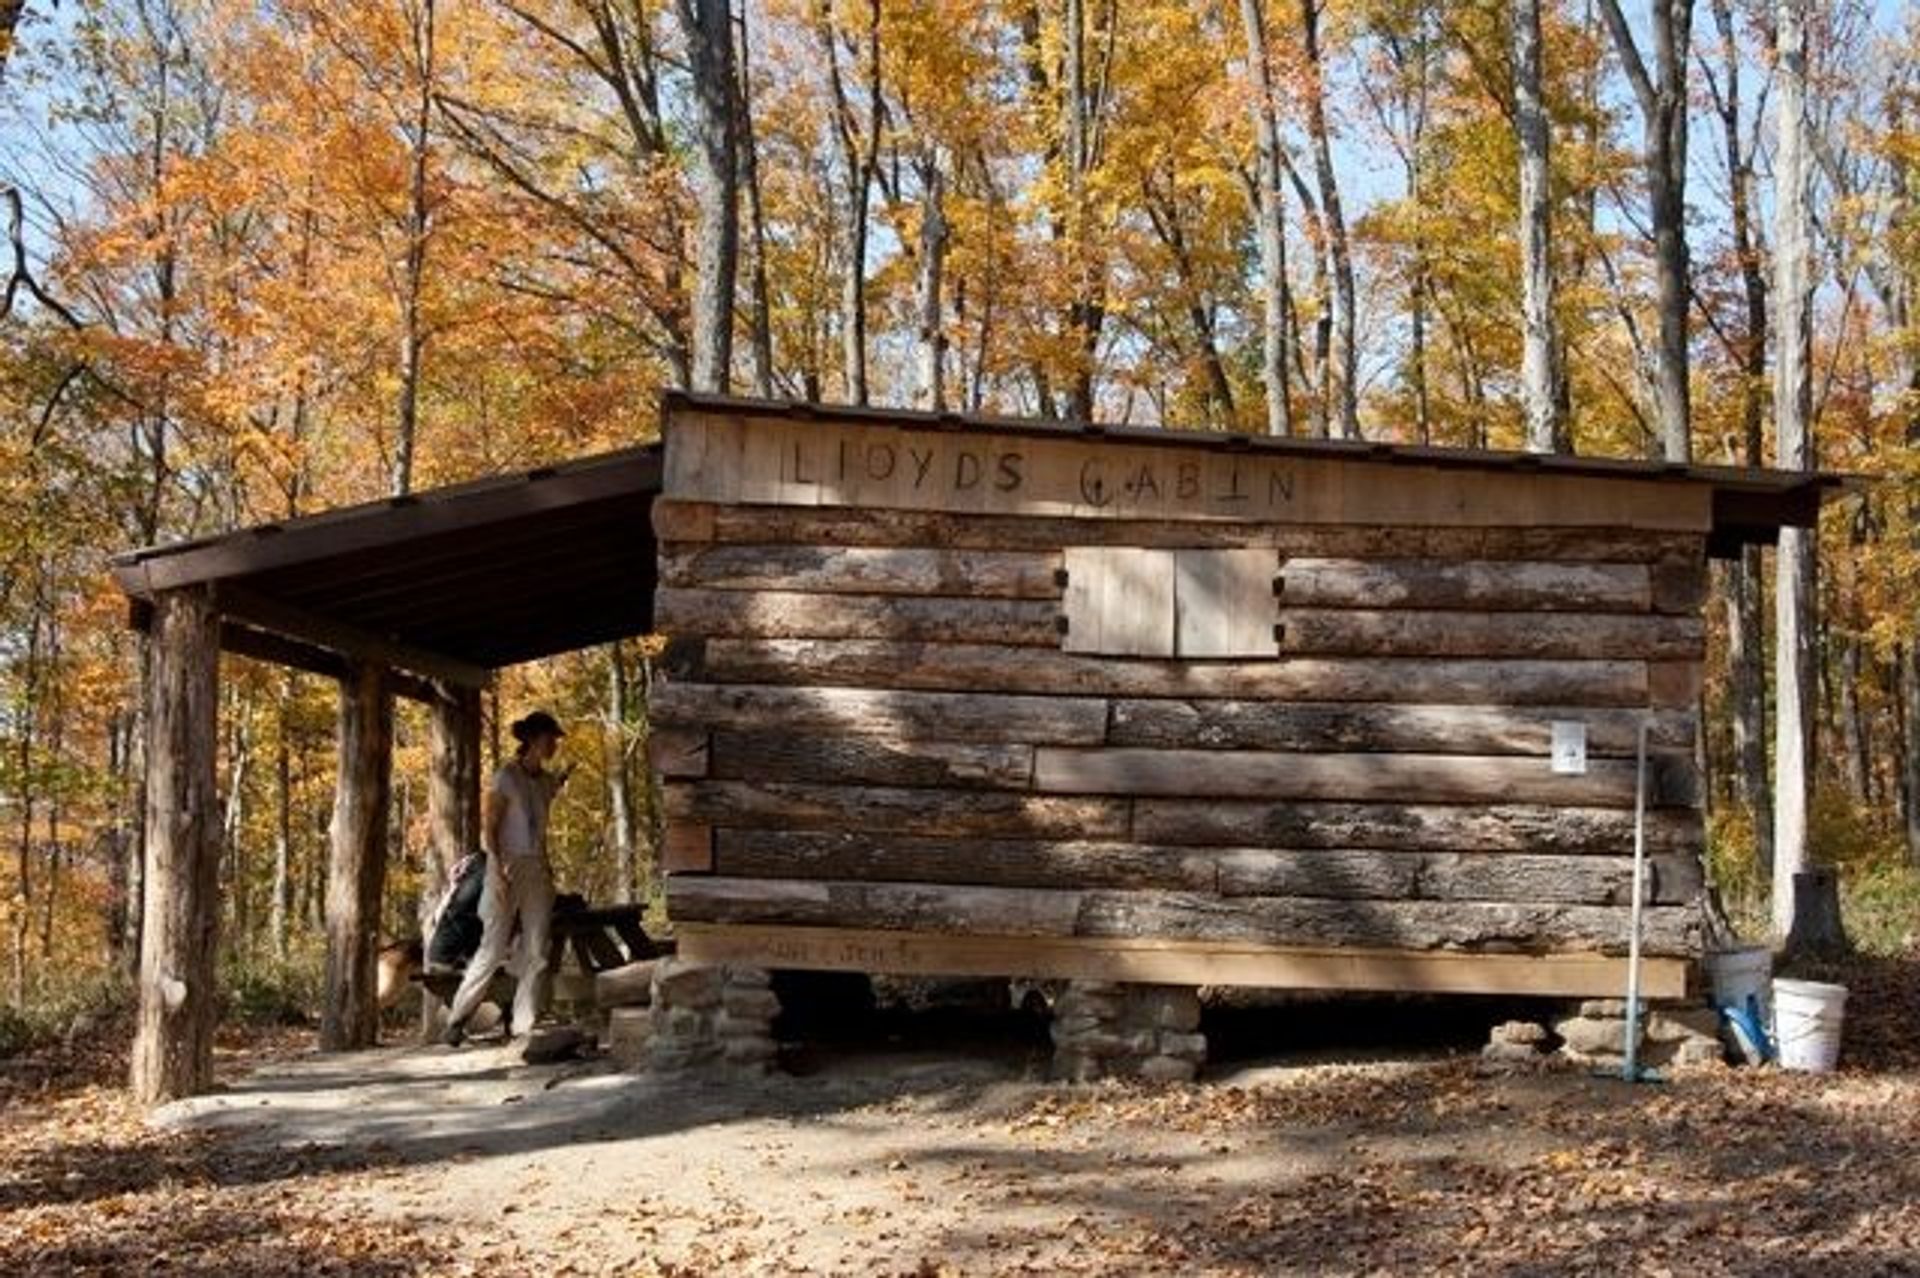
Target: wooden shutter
[
  {"x": 1119, "y": 601},
  {"x": 1223, "y": 603}
]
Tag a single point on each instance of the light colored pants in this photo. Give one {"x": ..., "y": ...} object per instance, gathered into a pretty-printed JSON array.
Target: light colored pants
[{"x": 528, "y": 898}]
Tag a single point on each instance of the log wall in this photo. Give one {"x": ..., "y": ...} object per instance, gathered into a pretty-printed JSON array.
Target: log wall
[{"x": 870, "y": 722}]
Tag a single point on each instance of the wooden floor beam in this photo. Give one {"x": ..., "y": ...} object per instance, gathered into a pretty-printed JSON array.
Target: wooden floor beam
[{"x": 902, "y": 953}]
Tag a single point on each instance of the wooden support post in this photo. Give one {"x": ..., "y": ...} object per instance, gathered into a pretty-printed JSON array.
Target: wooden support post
[
  {"x": 453, "y": 809},
  {"x": 173, "y": 1039},
  {"x": 358, "y": 867},
  {"x": 453, "y": 780}
]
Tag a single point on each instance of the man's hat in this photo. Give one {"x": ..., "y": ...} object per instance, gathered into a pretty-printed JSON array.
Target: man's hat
[{"x": 537, "y": 724}]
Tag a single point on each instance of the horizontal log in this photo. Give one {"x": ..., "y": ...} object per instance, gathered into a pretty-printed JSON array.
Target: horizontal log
[
  {"x": 1420, "y": 925},
  {"x": 774, "y": 614},
  {"x": 1339, "y": 873},
  {"x": 885, "y": 856},
  {"x": 1422, "y": 633},
  {"x": 865, "y": 570},
  {"x": 1449, "y": 827},
  {"x": 686, "y": 847},
  {"x": 920, "y": 907},
  {"x": 1372, "y": 874},
  {"x": 1680, "y": 583},
  {"x": 951, "y": 716},
  {"x": 1482, "y": 584},
  {"x": 770, "y": 756},
  {"x": 987, "y": 668},
  {"x": 1665, "y": 929},
  {"x": 804, "y": 806},
  {"x": 1396, "y": 778},
  {"x": 882, "y": 527},
  {"x": 1230, "y": 724},
  {"x": 674, "y": 751},
  {"x": 1674, "y": 683},
  {"x": 836, "y": 949}
]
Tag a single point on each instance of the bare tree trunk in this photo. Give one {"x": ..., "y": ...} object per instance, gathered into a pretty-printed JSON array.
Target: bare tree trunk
[
  {"x": 283, "y": 829},
  {"x": 619, "y": 773},
  {"x": 708, "y": 27},
  {"x": 759, "y": 305},
  {"x": 1269, "y": 214},
  {"x": 419, "y": 226},
  {"x": 859, "y": 154},
  {"x": 350, "y": 1017},
  {"x": 1854, "y": 734},
  {"x": 930, "y": 384},
  {"x": 1662, "y": 94},
  {"x": 1746, "y": 641},
  {"x": 1794, "y": 589},
  {"x": 1345, "y": 371},
  {"x": 1540, "y": 348},
  {"x": 173, "y": 1036},
  {"x": 234, "y": 818},
  {"x": 26, "y": 795},
  {"x": 1910, "y": 754}
]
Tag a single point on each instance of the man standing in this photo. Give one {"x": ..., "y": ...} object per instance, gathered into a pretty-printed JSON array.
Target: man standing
[{"x": 519, "y": 884}]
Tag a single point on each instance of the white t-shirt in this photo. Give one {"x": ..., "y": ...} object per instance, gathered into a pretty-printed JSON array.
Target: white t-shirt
[{"x": 523, "y": 799}]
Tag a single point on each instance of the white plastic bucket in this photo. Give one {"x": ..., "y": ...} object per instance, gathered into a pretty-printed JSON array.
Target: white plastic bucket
[
  {"x": 1807, "y": 1017},
  {"x": 1739, "y": 977}
]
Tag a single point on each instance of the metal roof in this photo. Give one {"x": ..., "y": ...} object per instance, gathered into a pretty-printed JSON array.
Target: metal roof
[
  {"x": 449, "y": 583},
  {"x": 1750, "y": 505}
]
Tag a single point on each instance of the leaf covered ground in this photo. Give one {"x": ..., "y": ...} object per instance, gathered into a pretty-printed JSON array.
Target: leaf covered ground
[{"x": 892, "y": 1162}]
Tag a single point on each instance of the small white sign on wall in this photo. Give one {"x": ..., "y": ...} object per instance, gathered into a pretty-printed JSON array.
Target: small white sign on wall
[{"x": 1570, "y": 746}]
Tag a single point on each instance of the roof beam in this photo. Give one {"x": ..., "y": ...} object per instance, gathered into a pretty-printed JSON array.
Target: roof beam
[{"x": 347, "y": 640}]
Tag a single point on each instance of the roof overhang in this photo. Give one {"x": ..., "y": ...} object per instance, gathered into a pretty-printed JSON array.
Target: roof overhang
[{"x": 446, "y": 585}]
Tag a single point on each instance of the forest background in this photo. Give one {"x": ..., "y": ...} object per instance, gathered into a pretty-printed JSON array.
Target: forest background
[{"x": 272, "y": 256}]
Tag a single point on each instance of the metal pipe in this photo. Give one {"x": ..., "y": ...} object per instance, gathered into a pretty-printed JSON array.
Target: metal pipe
[{"x": 1631, "y": 1069}]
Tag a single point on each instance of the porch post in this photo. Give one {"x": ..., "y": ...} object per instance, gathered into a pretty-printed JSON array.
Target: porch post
[
  {"x": 357, "y": 868},
  {"x": 173, "y": 1037}
]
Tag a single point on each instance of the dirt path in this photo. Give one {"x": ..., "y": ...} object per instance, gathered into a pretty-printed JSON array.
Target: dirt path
[{"x": 892, "y": 1163}]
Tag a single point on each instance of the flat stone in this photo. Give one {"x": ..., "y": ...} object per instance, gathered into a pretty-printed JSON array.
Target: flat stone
[
  {"x": 684, "y": 1023},
  {"x": 755, "y": 978},
  {"x": 1170, "y": 1008},
  {"x": 1192, "y": 1047},
  {"x": 1591, "y": 1037},
  {"x": 1605, "y": 1009},
  {"x": 748, "y": 1001},
  {"x": 727, "y": 1025},
  {"x": 738, "y": 1050},
  {"x": 1697, "y": 1052},
  {"x": 1075, "y": 1003},
  {"x": 679, "y": 983},
  {"x": 1067, "y": 1028},
  {"x": 1096, "y": 987},
  {"x": 1679, "y": 1024},
  {"x": 1168, "y": 1069},
  {"x": 1516, "y": 1053},
  {"x": 1519, "y": 1033}
]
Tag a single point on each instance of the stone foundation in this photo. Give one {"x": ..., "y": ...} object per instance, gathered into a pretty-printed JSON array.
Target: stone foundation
[
  {"x": 1105, "y": 1029},
  {"x": 1673, "y": 1034},
  {"x": 703, "y": 1015}
]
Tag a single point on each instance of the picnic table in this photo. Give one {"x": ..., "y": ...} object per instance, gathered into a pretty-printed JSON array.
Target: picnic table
[{"x": 601, "y": 938}]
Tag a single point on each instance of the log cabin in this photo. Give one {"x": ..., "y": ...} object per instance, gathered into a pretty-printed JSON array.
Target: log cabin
[
  {"x": 995, "y": 697},
  {"x": 1140, "y": 709}
]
